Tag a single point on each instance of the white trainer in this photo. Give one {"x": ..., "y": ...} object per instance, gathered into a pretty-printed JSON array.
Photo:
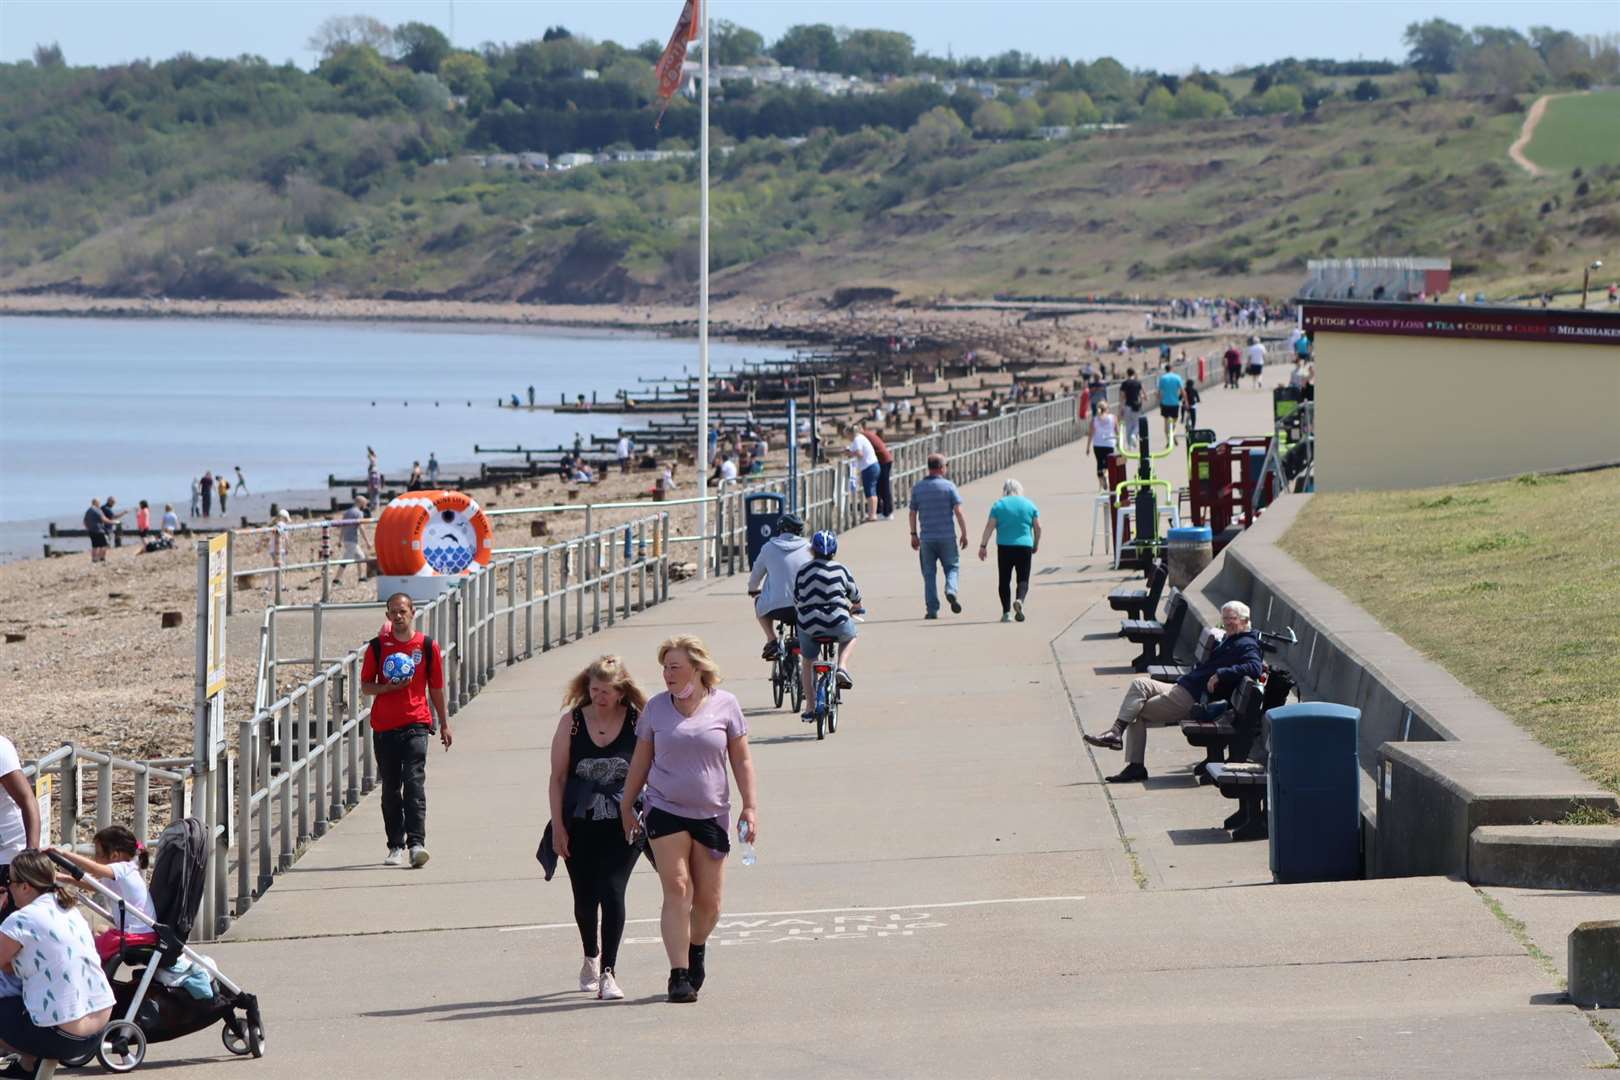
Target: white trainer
[
  {"x": 608, "y": 988},
  {"x": 396, "y": 857},
  {"x": 590, "y": 975},
  {"x": 419, "y": 857}
]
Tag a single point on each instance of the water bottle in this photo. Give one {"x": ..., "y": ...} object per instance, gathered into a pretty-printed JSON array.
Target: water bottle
[{"x": 743, "y": 832}]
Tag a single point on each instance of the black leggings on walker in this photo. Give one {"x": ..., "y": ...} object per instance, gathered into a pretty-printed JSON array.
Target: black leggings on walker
[
  {"x": 1011, "y": 557},
  {"x": 599, "y": 871}
]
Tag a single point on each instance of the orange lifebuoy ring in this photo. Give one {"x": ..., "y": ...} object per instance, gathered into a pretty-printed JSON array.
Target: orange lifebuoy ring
[{"x": 433, "y": 533}]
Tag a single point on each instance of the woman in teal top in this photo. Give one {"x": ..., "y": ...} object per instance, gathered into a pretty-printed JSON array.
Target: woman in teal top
[{"x": 1017, "y": 524}]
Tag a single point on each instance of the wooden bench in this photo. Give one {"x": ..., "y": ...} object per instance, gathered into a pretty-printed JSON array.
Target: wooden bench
[
  {"x": 1225, "y": 732},
  {"x": 1156, "y": 638},
  {"x": 1138, "y": 603},
  {"x": 1246, "y": 782}
]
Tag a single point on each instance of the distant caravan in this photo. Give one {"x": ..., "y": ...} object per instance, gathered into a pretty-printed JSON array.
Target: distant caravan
[{"x": 426, "y": 540}]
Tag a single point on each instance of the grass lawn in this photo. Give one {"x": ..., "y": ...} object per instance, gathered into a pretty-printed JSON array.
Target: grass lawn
[
  {"x": 1579, "y": 130},
  {"x": 1513, "y": 587}
]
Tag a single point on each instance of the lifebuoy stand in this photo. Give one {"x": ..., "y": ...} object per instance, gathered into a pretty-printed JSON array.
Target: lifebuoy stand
[{"x": 427, "y": 541}]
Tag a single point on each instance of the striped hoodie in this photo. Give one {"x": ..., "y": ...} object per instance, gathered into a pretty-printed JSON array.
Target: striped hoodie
[{"x": 824, "y": 592}]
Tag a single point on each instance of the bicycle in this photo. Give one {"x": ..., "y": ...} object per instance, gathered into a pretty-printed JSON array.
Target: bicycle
[
  {"x": 785, "y": 680},
  {"x": 828, "y": 695}
]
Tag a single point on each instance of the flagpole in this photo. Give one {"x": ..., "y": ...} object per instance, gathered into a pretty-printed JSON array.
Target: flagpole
[{"x": 703, "y": 312}]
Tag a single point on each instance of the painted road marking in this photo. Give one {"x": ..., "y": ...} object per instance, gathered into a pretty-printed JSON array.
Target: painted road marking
[{"x": 895, "y": 909}]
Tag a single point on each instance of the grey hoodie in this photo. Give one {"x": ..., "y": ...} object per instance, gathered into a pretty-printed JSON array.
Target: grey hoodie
[{"x": 777, "y": 567}]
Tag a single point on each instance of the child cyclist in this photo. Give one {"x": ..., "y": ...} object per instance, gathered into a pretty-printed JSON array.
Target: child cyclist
[
  {"x": 826, "y": 597},
  {"x": 119, "y": 860}
]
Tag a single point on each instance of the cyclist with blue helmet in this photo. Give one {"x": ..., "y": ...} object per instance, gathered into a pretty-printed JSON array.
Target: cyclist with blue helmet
[{"x": 826, "y": 596}]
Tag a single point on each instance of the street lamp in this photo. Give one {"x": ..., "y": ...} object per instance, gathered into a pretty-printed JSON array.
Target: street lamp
[{"x": 1586, "y": 279}]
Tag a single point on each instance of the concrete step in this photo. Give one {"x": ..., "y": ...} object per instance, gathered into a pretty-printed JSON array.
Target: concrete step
[{"x": 1546, "y": 856}]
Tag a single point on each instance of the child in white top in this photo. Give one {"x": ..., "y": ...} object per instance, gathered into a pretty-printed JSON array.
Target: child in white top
[{"x": 119, "y": 860}]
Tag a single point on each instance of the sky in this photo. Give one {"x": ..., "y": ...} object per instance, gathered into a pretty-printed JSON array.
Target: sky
[{"x": 1167, "y": 35}]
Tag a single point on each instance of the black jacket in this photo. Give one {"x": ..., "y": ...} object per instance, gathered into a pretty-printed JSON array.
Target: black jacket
[{"x": 1238, "y": 655}]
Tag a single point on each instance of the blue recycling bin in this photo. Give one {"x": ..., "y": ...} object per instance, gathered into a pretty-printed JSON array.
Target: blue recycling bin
[
  {"x": 759, "y": 521},
  {"x": 1313, "y": 790}
]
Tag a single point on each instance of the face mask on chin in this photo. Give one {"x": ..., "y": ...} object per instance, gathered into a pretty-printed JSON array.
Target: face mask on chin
[{"x": 686, "y": 692}]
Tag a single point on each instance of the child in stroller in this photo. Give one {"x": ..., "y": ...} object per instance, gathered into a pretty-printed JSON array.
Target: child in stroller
[{"x": 148, "y": 1008}]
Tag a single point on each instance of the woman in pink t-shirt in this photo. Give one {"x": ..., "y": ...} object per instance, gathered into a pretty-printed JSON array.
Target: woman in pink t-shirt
[{"x": 683, "y": 741}]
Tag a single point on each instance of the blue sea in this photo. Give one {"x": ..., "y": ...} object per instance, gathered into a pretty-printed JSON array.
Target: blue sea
[{"x": 137, "y": 407}]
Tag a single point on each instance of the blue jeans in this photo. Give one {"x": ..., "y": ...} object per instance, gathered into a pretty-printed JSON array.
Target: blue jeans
[{"x": 945, "y": 553}]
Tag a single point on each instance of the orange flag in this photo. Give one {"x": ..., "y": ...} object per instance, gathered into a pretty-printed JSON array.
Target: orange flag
[{"x": 687, "y": 29}]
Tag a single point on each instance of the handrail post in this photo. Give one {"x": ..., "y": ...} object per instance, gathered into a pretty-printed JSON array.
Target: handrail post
[
  {"x": 245, "y": 836},
  {"x": 143, "y": 809},
  {"x": 545, "y": 599},
  {"x": 528, "y": 606},
  {"x": 266, "y": 805},
  {"x": 289, "y": 849},
  {"x": 104, "y": 802},
  {"x": 511, "y": 613},
  {"x": 595, "y": 543},
  {"x": 492, "y": 589},
  {"x": 582, "y": 575},
  {"x": 230, "y": 575},
  {"x": 641, "y": 566},
  {"x": 612, "y": 577},
  {"x": 302, "y": 765}
]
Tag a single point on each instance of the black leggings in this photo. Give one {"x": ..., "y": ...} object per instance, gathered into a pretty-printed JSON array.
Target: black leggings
[
  {"x": 1010, "y": 557},
  {"x": 599, "y": 871}
]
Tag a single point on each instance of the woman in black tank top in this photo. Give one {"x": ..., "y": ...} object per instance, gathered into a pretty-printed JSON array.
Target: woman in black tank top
[{"x": 590, "y": 757}]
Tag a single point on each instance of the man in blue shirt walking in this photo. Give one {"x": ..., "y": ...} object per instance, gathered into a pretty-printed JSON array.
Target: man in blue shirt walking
[
  {"x": 937, "y": 506},
  {"x": 1170, "y": 385}
]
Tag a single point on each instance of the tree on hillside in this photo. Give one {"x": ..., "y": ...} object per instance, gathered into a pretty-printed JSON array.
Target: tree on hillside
[
  {"x": 1281, "y": 99},
  {"x": 1026, "y": 117},
  {"x": 1193, "y": 102},
  {"x": 1436, "y": 46},
  {"x": 1565, "y": 55},
  {"x": 420, "y": 47},
  {"x": 1062, "y": 110},
  {"x": 1157, "y": 103},
  {"x": 1106, "y": 79},
  {"x": 1504, "y": 64},
  {"x": 992, "y": 120},
  {"x": 876, "y": 52},
  {"x": 49, "y": 56},
  {"x": 556, "y": 33},
  {"x": 1366, "y": 90},
  {"x": 936, "y": 131},
  {"x": 809, "y": 48},
  {"x": 348, "y": 31},
  {"x": 735, "y": 44}
]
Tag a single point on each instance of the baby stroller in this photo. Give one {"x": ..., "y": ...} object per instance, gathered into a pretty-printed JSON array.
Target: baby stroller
[{"x": 147, "y": 1009}]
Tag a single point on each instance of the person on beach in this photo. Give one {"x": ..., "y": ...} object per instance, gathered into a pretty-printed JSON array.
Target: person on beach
[
  {"x": 1016, "y": 521},
  {"x": 241, "y": 482},
  {"x": 374, "y": 479},
  {"x": 95, "y": 526},
  {"x": 885, "y": 485},
  {"x": 1097, "y": 390},
  {"x": 119, "y": 861},
  {"x": 590, "y": 759},
  {"x": 401, "y": 722},
  {"x": 207, "y": 483},
  {"x": 415, "y": 483},
  {"x": 353, "y": 536},
  {"x": 433, "y": 470},
  {"x": 622, "y": 452},
  {"x": 59, "y": 997},
  {"x": 684, "y": 740},
  {"x": 1101, "y": 439},
  {"x": 935, "y": 502},
  {"x": 224, "y": 493},
  {"x": 171, "y": 521},
  {"x": 19, "y": 815},
  {"x": 143, "y": 519},
  {"x": 280, "y": 538},
  {"x": 196, "y": 496}
]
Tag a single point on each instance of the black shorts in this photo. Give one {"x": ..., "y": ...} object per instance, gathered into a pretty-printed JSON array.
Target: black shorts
[
  {"x": 18, "y": 1031},
  {"x": 710, "y": 832},
  {"x": 784, "y": 615},
  {"x": 1103, "y": 454},
  {"x": 98, "y": 540},
  {"x": 1170, "y": 412}
]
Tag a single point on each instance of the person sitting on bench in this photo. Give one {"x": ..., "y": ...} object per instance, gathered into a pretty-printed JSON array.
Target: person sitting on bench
[{"x": 1148, "y": 702}]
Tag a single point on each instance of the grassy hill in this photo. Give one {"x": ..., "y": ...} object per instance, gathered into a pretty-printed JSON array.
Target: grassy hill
[
  {"x": 334, "y": 203},
  {"x": 1578, "y": 131}
]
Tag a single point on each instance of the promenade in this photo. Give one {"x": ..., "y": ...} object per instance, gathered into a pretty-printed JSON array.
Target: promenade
[{"x": 945, "y": 888}]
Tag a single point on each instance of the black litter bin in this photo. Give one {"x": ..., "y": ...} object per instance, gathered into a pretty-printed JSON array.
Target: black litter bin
[
  {"x": 1313, "y": 789},
  {"x": 759, "y": 521}
]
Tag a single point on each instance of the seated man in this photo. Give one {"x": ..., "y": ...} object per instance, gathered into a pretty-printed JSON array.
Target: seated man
[
  {"x": 1149, "y": 702},
  {"x": 775, "y": 572},
  {"x": 826, "y": 597}
]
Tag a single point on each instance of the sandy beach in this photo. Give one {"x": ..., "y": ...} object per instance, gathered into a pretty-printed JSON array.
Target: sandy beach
[{"x": 95, "y": 667}]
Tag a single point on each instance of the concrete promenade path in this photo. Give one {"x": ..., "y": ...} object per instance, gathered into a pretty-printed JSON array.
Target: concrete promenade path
[{"x": 945, "y": 888}]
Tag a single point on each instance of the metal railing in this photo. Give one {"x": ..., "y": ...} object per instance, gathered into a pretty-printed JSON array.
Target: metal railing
[
  {"x": 66, "y": 769},
  {"x": 304, "y": 758}
]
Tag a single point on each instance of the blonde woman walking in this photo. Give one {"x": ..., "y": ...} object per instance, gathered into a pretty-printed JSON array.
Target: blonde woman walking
[
  {"x": 686, "y": 736},
  {"x": 590, "y": 759}
]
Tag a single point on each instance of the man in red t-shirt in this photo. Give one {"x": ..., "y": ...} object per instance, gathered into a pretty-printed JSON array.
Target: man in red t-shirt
[
  {"x": 885, "y": 492},
  {"x": 401, "y": 722}
]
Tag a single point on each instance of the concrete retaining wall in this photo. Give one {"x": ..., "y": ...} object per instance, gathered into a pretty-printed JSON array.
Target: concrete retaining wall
[{"x": 1438, "y": 761}]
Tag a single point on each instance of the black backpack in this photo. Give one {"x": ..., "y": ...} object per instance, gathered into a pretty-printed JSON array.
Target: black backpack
[
  {"x": 178, "y": 880},
  {"x": 427, "y": 656}
]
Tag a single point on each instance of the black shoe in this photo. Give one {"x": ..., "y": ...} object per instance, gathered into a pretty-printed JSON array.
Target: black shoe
[
  {"x": 931, "y": 615},
  {"x": 1129, "y": 774},
  {"x": 772, "y": 651},
  {"x": 1108, "y": 740},
  {"x": 681, "y": 989},
  {"x": 694, "y": 965},
  {"x": 956, "y": 608},
  {"x": 844, "y": 681}
]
